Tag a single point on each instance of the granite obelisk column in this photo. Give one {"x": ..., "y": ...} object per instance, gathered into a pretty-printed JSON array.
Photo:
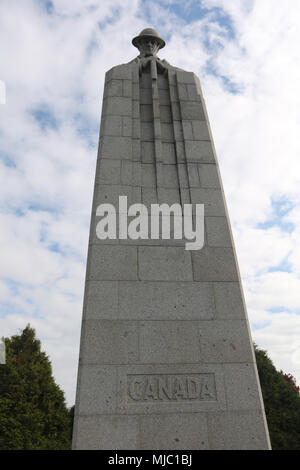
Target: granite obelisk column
[{"x": 166, "y": 357}]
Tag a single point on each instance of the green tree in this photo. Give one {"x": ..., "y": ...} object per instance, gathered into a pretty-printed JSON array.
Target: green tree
[
  {"x": 282, "y": 403},
  {"x": 33, "y": 413}
]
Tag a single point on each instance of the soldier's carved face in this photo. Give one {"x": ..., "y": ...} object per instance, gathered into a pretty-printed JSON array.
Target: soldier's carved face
[{"x": 148, "y": 46}]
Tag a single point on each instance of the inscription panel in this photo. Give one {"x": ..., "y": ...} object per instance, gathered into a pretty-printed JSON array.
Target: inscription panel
[{"x": 171, "y": 388}]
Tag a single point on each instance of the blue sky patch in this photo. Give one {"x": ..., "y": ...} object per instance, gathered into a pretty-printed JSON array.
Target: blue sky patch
[
  {"x": 45, "y": 117},
  {"x": 47, "y": 5},
  {"x": 192, "y": 11},
  {"x": 7, "y": 159},
  {"x": 55, "y": 247},
  {"x": 284, "y": 267},
  {"x": 258, "y": 326},
  {"x": 87, "y": 129},
  {"x": 113, "y": 18},
  {"x": 279, "y": 309},
  {"x": 39, "y": 207},
  {"x": 280, "y": 208}
]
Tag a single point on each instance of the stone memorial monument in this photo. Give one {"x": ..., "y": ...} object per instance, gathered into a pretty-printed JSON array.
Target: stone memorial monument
[{"x": 166, "y": 357}]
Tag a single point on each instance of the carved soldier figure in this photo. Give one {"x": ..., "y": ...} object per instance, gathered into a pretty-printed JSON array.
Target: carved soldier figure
[{"x": 149, "y": 43}]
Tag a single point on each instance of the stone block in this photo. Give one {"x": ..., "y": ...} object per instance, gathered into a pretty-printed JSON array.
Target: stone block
[
  {"x": 147, "y": 131},
  {"x": 173, "y": 94},
  {"x": 108, "y": 432},
  {"x": 117, "y": 106},
  {"x": 136, "y": 195},
  {"x": 182, "y": 92},
  {"x": 180, "y": 153},
  {"x": 212, "y": 200},
  {"x": 217, "y": 231},
  {"x": 146, "y": 300},
  {"x": 170, "y": 176},
  {"x": 114, "y": 88},
  {"x": 208, "y": 175},
  {"x": 168, "y": 196},
  {"x": 214, "y": 264},
  {"x": 136, "y": 150},
  {"x": 188, "y": 130},
  {"x": 200, "y": 130},
  {"x": 110, "y": 342},
  {"x": 169, "y": 155},
  {"x": 109, "y": 194},
  {"x": 146, "y": 96},
  {"x": 146, "y": 112},
  {"x": 101, "y": 300},
  {"x": 145, "y": 80},
  {"x": 120, "y": 72},
  {"x": 99, "y": 384},
  {"x": 149, "y": 196},
  {"x": 147, "y": 152},
  {"x": 118, "y": 148},
  {"x": 165, "y": 114},
  {"x": 193, "y": 175},
  {"x": 177, "y": 131},
  {"x": 241, "y": 382},
  {"x": 224, "y": 341},
  {"x": 112, "y": 263},
  {"x": 136, "y": 129},
  {"x": 112, "y": 126},
  {"x": 199, "y": 151},
  {"x": 172, "y": 78},
  {"x": 192, "y": 110},
  {"x": 169, "y": 342},
  {"x": 193, "y": 92},
  {"x": 175, "y": 111},
  {"x": 157, "y": 129},
  {"x": 126, "y": 172},
  {"x": 164, "y": 264},
  {"x": 135, "y": 91},
  {"x": 182, "y": 176},
  {"x": 229, "y": 301},
  {"x": 167, "y": 133},
  {"x": 136, "y": 109},
  {"x": 164, "y": 96},
  {"x": 237, "y": 430},
  {"x": 127, "y": 88},
  {"x": 174, "y": 431},
  {"x": 185, "y": 77},
  {"x": 185, "y": 196},
  {"x": 127, "y": 126},
  {"x": 136, "y": 174},
  {"x": 162, "y": 82},
  {"x": 109, "y": 171},
  {"x": 148, "y": 175}
]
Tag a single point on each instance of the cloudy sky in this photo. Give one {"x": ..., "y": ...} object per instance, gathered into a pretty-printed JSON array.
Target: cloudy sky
[{"x": 53, "y": 56}]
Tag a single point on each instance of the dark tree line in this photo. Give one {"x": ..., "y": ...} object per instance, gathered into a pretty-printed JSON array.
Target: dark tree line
[
  {"x": 282, "y": 403},
  {"x": 34, "y": 415}
]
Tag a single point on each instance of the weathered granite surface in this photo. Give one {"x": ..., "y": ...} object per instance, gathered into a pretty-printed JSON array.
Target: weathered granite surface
[{"x": 166, "y": 357}]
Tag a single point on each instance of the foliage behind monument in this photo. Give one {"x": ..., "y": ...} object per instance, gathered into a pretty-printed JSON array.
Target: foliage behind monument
[
  {"x": 33, "y": 413},
  {"x": 282, "y": 404}
]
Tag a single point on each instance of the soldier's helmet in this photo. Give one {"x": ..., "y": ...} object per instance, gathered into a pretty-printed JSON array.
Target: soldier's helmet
[{"x": 149, "y": 33}]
